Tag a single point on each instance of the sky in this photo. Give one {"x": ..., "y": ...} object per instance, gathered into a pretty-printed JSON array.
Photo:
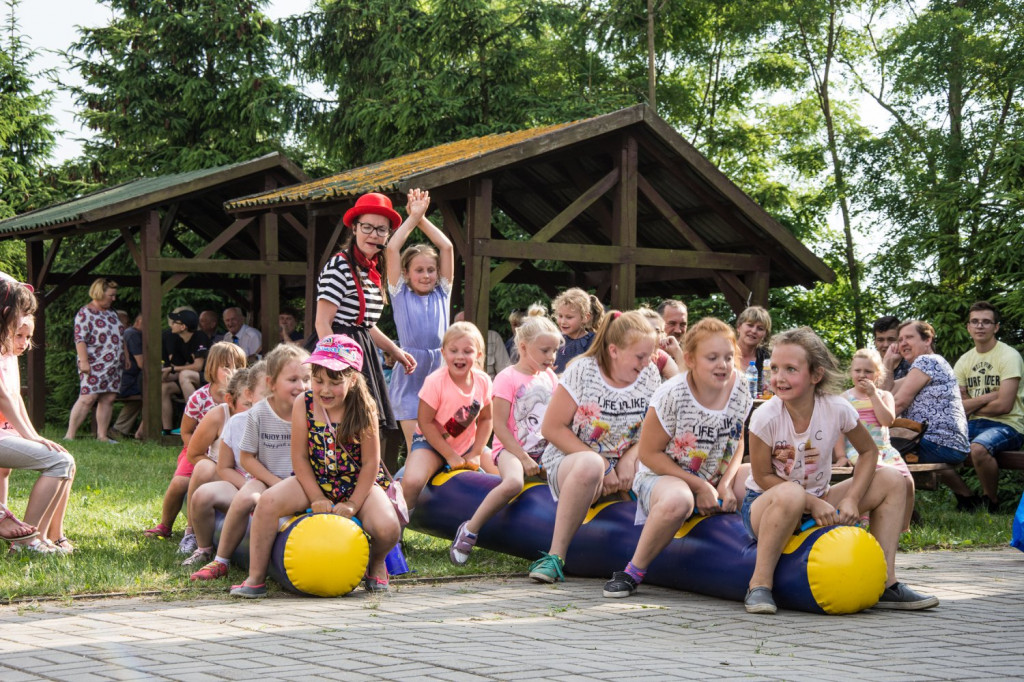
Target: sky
[{"x": 50, "y": 26}]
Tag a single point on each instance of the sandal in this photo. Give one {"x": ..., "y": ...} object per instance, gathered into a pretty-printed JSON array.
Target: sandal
[
  {"x": 63, "y": 545},
  {"x": 158, "y": 531},
  {"x": 23, "y": 531},
  {"x": 35, "y": 547}
]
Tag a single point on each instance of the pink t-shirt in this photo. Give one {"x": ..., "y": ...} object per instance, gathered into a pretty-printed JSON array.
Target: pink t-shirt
[
  {"x": 456, "y": 411},
  {"x": 199, "y": 403},
  {"x": 529, "y": 395}
]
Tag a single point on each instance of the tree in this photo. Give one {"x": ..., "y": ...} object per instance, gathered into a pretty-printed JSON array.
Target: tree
[{"x": 179, "y": 85}]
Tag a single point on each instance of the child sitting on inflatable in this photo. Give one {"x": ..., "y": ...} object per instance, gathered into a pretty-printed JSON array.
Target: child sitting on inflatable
[
  {"x": 791, "y": 440},
  {"x": 691, "y": 447},
  {"x": 521, "y": 394},
  {"x": 454, "y": 422},
  {"x": 335, "y": 452},
  {"x": 592, "y": 426}
]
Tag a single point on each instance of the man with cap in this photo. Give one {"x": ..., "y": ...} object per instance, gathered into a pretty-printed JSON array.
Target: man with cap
[{"x": 182, "y": 373}]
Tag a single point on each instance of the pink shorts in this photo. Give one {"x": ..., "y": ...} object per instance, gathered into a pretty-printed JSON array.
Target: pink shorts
[{"x": 184, "y": 467}]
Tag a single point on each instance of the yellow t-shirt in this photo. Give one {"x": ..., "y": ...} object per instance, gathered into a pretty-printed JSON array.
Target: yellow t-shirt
[{"x": 982, "y": 373}]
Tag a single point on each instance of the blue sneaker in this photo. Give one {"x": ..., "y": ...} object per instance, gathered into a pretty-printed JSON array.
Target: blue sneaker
[{"x": 548, "y": 569}]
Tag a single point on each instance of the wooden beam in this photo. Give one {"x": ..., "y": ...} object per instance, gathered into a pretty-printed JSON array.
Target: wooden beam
[
  {"x": 623, "y": 276},
  {"x": 133, "y": 248},
  {"x": 168, "y": 220},
  {"x": 296, "y": 225},
  {"x": 311, "y": 275},
  {"x": 81, "y": 274},
  {"x": 559, "y": 222},
  {"x": 37, "y": 266},
  {"x": 152, "y": 321},
  {"x": 241, "y": 267},
  {"x": 593, "y": 253},
  {"x": 478, "y": 270},
  {"x": 43, "y": 267},
  {"x": 758, "y": 281},
  {"x": 270, "y": 283},
  {"x": 213, "y": 247},
  {"x": 329, "y": 247},
  {"x": 451, "y": 223}
]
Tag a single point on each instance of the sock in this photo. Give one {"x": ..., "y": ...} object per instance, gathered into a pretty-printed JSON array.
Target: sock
[
  {"x": 635, "y": 573},
  {"x": 188, "y": 530},
  {"x": 222, "y": 560},
  {"x": 208, "y": 550}
]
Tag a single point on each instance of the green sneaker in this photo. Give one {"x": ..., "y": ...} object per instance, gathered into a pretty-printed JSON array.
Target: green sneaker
[{"x": 548, "y": 569}]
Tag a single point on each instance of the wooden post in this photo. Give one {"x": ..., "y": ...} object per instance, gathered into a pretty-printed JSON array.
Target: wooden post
[
  {"x": 758, "y": 283},
  {"x": 152, "y": 323},
  {"x": 36, "y": 375},
  {"x": 312, "y": 272},
  {"x": 478, "y": 270},
  {"x": 270, "y": 283},
  {"x": 623, "y": 279}
]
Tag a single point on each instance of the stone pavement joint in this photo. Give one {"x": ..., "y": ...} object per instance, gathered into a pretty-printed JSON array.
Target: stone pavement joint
[{"x": 514, "y": 629}]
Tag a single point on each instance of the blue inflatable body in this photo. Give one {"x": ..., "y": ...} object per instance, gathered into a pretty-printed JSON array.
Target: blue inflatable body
[{"x": 839, "y": 569}]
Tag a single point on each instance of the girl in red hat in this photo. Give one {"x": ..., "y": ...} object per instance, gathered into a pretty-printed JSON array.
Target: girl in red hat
[{"x": 351, "y": 296}]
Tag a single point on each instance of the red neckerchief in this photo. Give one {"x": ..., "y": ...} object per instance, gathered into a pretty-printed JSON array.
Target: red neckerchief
[{"x": 370, "y": 264}]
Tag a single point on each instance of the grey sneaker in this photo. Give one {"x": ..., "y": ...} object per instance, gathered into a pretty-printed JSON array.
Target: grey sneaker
[
  {"x": 621, "y": 585},
  {"x": 759, "y": 600},
  {"x": 900, "y": 597},
  {"x": 188, "y": 544},
  {"x": 462, "y": 545},
  {"x": 249, "y": 591},
  {"x": 200, "y": 556}
]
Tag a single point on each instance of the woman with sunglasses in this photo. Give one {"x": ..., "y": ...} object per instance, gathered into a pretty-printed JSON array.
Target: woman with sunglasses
[{"x": 351, "y": 298}]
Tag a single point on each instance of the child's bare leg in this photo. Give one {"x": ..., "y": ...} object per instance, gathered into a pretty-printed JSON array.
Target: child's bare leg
[
  {"x": 579, "y": 485},
  {"x": 237, "y": 517},
  {"x": 420, "y": 465},
  {"x": 739, "y": 484},
  {"x": 283, "y": 499},
  {"x": 511, "y": 470},
  {"x": 204, "y": 472},
  {"x": 5, "y": 475},
  {"x": 204, "y": 505},
  {"x": 379, "y": 520},
  {"x": 408, "y": 428},
  {"x": 671, "y": 503},
  {"x": 908, "y": 515},
  {"x": 173, "y": 499},
  {"x": 774, "y": 516}
]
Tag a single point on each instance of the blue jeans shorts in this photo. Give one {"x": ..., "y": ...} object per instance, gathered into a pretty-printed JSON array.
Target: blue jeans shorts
[
  {"x": 745, "y": 511},
  {"x": 929, "y": 452},
  {"x": 419, "y": 442},
  {"x": 993, "y": 436}
]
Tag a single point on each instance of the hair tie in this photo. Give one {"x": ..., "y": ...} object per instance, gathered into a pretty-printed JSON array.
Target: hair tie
[{"x": 617, "y": 314}]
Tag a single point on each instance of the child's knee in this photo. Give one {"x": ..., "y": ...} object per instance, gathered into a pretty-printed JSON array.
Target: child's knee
[{"x": 676, "y": 506}]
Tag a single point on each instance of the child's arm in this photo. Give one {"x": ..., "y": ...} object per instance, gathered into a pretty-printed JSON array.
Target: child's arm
[
  {"x": 501, "y": 410},
  {"x": 557, "y": 425},
  {"x": 761, "y": 469},
  {"x": 318, "y": 502},
  {"x": 882, "y": 402},
  {"x": 651, "y": 450},
  {"x": 431, "y": 430},
  {"x": 226, "y": 466},
  {"x": 369, "y": 442},
  {"x": 863, "y": 472},
  {"x": 725, "y": 486},
  {"x": 416, "y": 206},
  {"x": 839, "y": 453},
  {"x": 188, "y": 427},
  {"x": 205, "y": 434},
  {"x": 484, "y": 428},
  {"x": 381, "y": 340},
  {"x": 445, "y": 250},
  {"x": 256, "y": 469},
  {"x": 625, "y": 470}
]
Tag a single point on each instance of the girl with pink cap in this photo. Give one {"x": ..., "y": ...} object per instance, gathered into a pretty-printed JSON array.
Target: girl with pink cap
[{"x": 336, "y": 459}]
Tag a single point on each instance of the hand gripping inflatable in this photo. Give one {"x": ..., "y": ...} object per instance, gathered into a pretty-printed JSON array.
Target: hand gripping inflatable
[
  {"x": 322, "y": 555},
  {"x": 839, "y": 569}
]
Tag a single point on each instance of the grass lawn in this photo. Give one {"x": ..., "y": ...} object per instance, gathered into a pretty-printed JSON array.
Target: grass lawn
[{"x": 118, "y": 493}]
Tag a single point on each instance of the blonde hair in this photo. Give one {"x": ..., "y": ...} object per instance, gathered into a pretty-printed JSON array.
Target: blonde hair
[
  {"x": 418, "y": 250},
  {"x": 819, "y": 357},
  {"x": 460, "y": 329},
  {"x": 872, "y": 356},
  {"x": 99, "y": 287},
  {"x": 281, "y": 356},
  {"x": 653, "y": 318},
  {"x": 706, "y": 328},
  {"x": 237, "y": 384},
  {"x": 536, "y": 323},
  {"x": 755, "y": 314},
  {"x": 620, "y": 330},
  {"x": 223, "y": 354},
  {"x": 256, "y": 373},
  {"x": 587, "y": 305}
]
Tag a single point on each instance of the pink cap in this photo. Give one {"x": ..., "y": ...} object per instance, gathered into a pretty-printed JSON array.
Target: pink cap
[{"x": 337, "y": 352}]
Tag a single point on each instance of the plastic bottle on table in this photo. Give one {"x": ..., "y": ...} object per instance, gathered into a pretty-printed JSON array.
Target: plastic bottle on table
[
  {"x": 752, "y": 379},
  {"x": 766, "y": 382}
]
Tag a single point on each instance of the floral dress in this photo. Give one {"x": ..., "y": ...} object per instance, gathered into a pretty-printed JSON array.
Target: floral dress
[
  {"x": 100, "y": 331},
  {"x": 335, "y": 465}
]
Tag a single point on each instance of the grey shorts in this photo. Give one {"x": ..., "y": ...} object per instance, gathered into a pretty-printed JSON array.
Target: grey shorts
[
  {"x": 18, "y": 453},
  {"x": 551, "y": 461}
]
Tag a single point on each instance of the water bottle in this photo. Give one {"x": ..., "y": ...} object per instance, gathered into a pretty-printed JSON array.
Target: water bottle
[
  {"x": 752, "y": 379},
  {"x": 766, "y": 381}
]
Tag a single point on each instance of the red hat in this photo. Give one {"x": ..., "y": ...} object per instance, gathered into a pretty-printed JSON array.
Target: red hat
[{"x": 375, "y": 203}]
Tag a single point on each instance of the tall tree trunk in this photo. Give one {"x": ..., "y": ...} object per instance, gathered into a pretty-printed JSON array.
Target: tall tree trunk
[
  {"x": 948, "y": 221},
  {"x": 651, "y": 94}
]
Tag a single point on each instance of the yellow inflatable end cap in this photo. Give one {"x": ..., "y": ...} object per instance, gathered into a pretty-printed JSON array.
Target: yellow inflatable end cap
[
  {"x": 326, "y": 555},
  {"x": 846, "y": 570}
]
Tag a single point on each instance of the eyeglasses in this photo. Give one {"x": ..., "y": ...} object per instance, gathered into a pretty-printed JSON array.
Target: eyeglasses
[
  {"x": 370, "y": 228},
  {"x": 981, "y": 323}
]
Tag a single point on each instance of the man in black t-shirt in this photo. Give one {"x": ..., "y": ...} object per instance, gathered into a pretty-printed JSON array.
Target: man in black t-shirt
[{"x": 183, "y": 366}]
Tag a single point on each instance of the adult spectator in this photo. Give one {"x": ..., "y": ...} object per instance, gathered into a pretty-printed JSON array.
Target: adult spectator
[
  {"x": 21, "y": 446},
  {"x": 886, "y": 331},
  {"x": 752, "y": 329},
  {"x": 131, "y": 382},
  {"x": 929, "y": 393},
  {"x": 208, "y": 321},
  {"x": 288, "y": 320},
  {"x": 183, "y": 374},
  {"x": 242, "y": 334},
  {"x": 990, "y": 387},
  {"x": 676, "y": 318},
  {"x": 122, "y": 317},
  {"x": 100, "y": 359}
]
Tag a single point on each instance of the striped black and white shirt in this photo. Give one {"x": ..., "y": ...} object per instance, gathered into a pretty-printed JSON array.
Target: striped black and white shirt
[{"x": 336, "y": 285}]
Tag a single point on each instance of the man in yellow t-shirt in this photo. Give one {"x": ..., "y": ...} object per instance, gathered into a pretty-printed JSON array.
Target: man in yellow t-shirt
[{"x": 989, "y": 376}]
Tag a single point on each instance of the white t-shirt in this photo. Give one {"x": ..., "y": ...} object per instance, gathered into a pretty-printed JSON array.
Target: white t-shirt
[
  {"x": 269, "y": 437},
  {"x": 803, "y": 457},
  {"x": 231, "y": 435},
  {"x": 701, "y": 440}
]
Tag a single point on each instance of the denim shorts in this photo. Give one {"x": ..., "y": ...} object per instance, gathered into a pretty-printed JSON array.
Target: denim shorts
[
  {"x": 929, "y": 452},
  {"x": 419, "y": 442},
  {"x": 745, "y": 511},
  {"x": 993, "y": 436}
]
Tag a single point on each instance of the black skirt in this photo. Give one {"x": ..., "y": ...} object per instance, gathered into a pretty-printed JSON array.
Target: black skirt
[{"x": 373, "y": 372}]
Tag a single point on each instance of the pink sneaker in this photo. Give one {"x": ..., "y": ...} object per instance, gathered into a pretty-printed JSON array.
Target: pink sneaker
[{"x": 210, "y": 571}]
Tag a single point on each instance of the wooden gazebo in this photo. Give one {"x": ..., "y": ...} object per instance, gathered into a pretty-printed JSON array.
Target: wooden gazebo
[
  {"x": 622, "y": 199},
  {"x": 244, "y": 257}
]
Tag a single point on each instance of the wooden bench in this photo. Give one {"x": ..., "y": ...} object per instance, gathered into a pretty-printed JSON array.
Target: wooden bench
[
  {"x": 926, "y": 476},
  {"x": 1011, "y": 459}
]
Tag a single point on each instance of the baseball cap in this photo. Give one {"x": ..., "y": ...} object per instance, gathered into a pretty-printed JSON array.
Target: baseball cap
[
  {"x": 187, "y": 318},
  {"x": 337, "y": 352}
]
